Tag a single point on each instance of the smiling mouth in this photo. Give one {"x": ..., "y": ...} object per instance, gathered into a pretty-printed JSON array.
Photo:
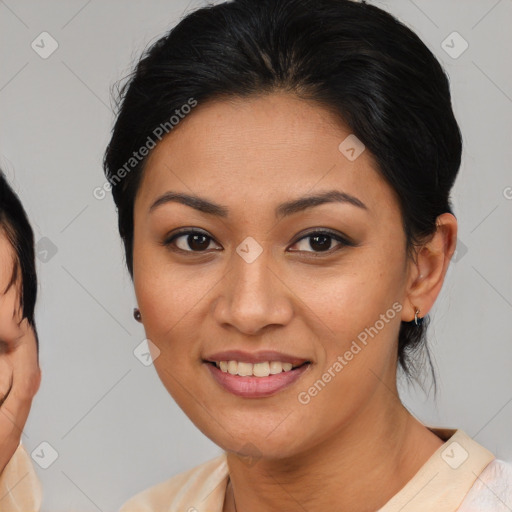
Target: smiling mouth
[
  {"x": 262, "y": 369},
  {"x": 261, "y": 379}
]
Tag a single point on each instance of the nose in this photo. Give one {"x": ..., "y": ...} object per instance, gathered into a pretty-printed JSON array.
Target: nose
[{"x": 253, "y": 296}]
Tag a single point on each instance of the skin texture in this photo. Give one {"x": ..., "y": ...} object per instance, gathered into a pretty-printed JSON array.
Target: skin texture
[
  {"x": 20, "y": 375},
  {"x": 354, "y": 445}
]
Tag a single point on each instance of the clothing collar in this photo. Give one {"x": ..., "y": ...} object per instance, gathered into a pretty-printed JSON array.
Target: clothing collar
[
  {"x": 440, "y": 484},
  {"x": 444, "y": 480}
]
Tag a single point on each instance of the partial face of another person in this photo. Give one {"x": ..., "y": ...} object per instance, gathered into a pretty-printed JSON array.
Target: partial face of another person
[
  {"x": 304, "y": 282},
  {"x": 20, "y": 375},
  {"x": 10, "y": 308}
]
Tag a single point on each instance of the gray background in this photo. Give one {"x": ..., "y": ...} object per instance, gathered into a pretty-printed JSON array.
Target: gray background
[{"x": 115, "y": 428}]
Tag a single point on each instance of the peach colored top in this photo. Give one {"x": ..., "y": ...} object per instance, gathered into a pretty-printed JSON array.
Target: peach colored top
[{"x": 461, "y": 475}]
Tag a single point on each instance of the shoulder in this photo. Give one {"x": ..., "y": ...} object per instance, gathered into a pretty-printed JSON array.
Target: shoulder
[
  {"x": 20, "y": 487},
  {"x": 182, "y": 491},
  {"x": 492, "y": 490}
]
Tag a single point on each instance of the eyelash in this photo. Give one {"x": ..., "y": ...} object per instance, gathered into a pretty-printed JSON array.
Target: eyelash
[{"x": 344, "y": 242}]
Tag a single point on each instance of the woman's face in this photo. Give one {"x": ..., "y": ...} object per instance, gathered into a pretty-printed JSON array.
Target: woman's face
[{"x": 261, "y": 278}]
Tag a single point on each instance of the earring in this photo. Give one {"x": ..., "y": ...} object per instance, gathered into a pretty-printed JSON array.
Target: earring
[
  {"x": 137, "y": 315},
  {"x": 417, "y": 320}
]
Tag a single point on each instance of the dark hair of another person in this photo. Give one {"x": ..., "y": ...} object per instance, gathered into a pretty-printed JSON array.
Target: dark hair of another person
[
  {"x": 14, "y": 224},
  {"x": 357, "y": 60}
]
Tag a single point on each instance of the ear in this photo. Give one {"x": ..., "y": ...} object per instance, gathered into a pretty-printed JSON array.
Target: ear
[{"x": 427, "y": 272}]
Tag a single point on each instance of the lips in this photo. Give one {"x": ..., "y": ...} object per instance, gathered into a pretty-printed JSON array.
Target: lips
[{"x": 256, "y": 387}]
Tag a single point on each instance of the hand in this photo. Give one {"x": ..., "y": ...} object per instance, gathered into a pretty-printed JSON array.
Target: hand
[{"x": 20, "y": 377}]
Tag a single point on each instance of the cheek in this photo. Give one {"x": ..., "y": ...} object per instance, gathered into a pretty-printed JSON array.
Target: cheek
[
  {"x": 356, "y": 318},
  {"x": 166, "y": 303},
  {"x": 351, "y": 295},
  {"x": 167, "y": 295},
  {"x": 171, "y": 299}
]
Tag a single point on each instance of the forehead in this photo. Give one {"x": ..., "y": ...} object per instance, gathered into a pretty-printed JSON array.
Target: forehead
[{"x": 258, "y": 148}]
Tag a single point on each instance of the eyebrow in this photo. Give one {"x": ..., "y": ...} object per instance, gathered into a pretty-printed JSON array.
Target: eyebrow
[{"x": 283, "y": 210}]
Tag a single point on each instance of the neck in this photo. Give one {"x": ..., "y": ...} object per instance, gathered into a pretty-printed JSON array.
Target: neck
[{"x": 358, "y": 468}]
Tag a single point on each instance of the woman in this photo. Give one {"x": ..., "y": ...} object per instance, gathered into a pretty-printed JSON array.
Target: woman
[
  {"x": 282, "y": 173},
  {"x": 20, "y": 375}
]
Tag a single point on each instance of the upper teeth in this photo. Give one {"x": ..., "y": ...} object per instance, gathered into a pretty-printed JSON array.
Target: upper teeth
[{"x": 257, "y": 369}]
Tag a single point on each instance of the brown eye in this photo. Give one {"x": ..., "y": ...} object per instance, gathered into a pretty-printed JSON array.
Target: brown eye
[
  {"x": 189, "y": 241},
  {"x": 321, "y": 241}
]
